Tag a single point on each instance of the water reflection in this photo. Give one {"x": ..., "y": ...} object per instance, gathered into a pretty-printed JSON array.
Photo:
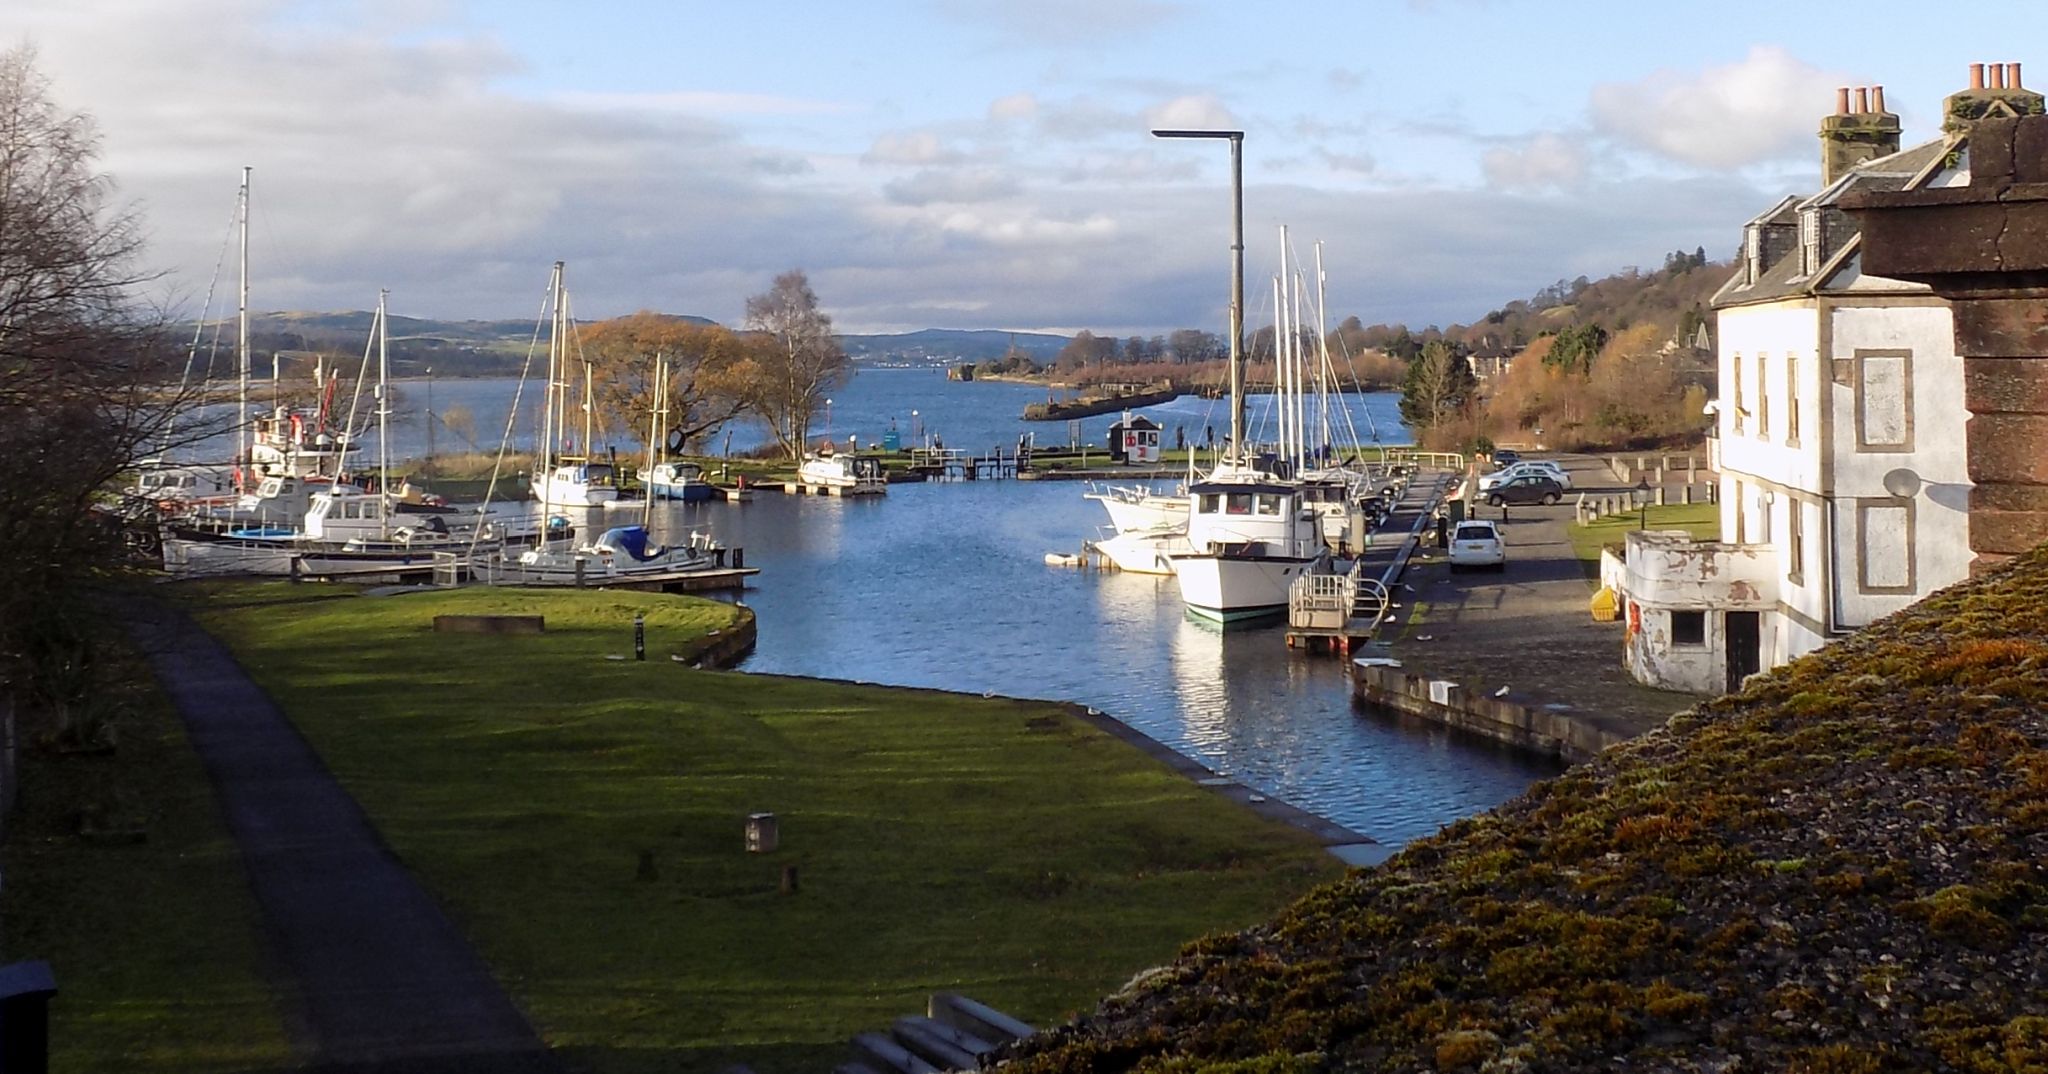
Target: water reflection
[{"x": 945, "y": 586}]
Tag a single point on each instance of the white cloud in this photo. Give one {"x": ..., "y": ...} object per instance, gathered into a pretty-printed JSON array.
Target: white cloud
[
  {"x": 1357, "y": 163},
  {"x": 705, "y": 103},
  {"x": 910, "y": 147},
  {"x": 1197, "y": 112},
  {"x": 1764, "y": 107},
  {"x": 1014, "y": 106},
  {"x": 1543, "y": 160},
  {"x": 959, "y": 186},
  {"x": 1099, "y": 23}
]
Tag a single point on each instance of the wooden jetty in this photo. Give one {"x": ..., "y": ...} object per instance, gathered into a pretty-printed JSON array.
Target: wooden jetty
[{"x": 812, "y": 488}]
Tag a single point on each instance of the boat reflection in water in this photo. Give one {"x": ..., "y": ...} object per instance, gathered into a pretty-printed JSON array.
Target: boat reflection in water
[{"x": 946, "y": 586}]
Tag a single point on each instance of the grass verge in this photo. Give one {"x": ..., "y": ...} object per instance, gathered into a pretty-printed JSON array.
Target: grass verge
[
  {"x": 121, "y": 874},
  {"x": 998, "y": 848},
  {"x": 1702, "y": 520}
]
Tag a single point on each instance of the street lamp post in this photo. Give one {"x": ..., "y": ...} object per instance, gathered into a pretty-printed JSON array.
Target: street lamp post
[
  {"x": 1642, "y": 493},
  {"x": 828, "y": 419},
  {"x": 1236, "y": 274}
]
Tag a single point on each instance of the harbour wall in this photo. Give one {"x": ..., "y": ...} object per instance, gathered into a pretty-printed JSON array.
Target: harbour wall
[{"x": 1568, "y": 735}]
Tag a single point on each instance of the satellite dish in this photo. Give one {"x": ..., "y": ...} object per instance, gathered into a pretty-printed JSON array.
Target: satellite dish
[{"x": 1902, "y": 482}]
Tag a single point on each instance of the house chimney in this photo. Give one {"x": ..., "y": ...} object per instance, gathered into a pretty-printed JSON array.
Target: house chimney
[
  {"x": 1997, "y": 95},
  {"x": 1850, "y": 137}
]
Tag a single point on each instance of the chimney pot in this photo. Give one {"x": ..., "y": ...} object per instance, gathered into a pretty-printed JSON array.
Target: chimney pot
[
  {"x": 1877, "y": 98},
  {"x": 1997, "y": 76},
  {"x": 1976, "y": 76},
  {"x": 1842, "y": 101},
  {"x": 1862, "y": 100},
  {"x": 2012, "y": 75}
]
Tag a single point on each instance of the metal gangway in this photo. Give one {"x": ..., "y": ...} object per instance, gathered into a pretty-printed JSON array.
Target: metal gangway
[{"x": 1337, "y": 612}]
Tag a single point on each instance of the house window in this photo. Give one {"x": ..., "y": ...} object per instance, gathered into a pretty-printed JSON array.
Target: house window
[
  {"x": 1736, "y": 366},
  {"x": 1752, "y": 253},
  {"x": 1809, "y": 242},
  {"x": 1688, "y": 628},
  {"x": 1741, "y": 512},
  {"x": 1884, "y": 400},
  {"x": 1791, "y": 400},
  {"x": 1763, "y": 402},
  {"x": 1795, "y": 542}
]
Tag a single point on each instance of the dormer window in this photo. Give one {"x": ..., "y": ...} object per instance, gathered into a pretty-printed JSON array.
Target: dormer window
[
  {"x": 1752, "y": 253},
  {"x": 1809, "y": 241}
]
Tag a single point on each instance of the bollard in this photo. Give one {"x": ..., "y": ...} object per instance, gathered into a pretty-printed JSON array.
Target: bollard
[
  {"x": 1688, "y": 492},
  {"x": 789, "y": 881},
  {"x": 739, "y": 557},
  {"x": 579, "y": 572},
  {"x": 639, "y": 636}
]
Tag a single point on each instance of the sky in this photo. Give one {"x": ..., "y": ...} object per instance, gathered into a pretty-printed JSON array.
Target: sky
[{"x": 965, "y": 163}]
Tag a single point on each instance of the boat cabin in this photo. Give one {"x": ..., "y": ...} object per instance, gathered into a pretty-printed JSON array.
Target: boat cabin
[{"x": 1261, "y": 518}]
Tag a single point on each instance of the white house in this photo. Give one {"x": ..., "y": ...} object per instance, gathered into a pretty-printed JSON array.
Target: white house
[{"x": 1839, "y": 436}]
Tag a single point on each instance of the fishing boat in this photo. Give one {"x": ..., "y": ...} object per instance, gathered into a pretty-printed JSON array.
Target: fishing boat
[{"x": 1249, "y": 537}]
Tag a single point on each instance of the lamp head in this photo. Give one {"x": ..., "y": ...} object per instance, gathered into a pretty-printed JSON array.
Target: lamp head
[{"x": 1902, "y": 482}]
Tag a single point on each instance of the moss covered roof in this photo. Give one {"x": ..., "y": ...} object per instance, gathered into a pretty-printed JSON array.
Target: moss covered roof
[{"x": 1842, "y": 869}]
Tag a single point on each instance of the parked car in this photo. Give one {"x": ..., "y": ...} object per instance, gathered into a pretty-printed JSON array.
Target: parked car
[
  {"x": 1546, "y": 467},
  {"x": 1477, "y": 543},
  {"x": 1526, "y": 489},
  {"x": 1506, "y": 457}
]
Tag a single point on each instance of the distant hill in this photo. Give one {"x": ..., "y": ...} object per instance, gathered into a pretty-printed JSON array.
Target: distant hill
[
  {"x": 450, "y": 348},
  {"x": 943, "y": 346}
]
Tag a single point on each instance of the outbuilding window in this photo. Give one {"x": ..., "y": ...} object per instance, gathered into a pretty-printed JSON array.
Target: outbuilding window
[{"x": 1688, "y": 628}]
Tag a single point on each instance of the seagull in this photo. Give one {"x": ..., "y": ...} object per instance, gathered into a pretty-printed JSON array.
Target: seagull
[{"x": 1502, "y": 692}]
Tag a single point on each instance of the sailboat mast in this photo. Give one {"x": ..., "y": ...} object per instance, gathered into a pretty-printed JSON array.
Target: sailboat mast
[
  {"x": 1237, "y": 294},
  {"x": 1279, "y": 358},
  {"x": 243, "y": 457},
  {"x": 1322, "y": 348},
  {"x": 544, "y": 461},
  {"x": 383, "y": 412}
]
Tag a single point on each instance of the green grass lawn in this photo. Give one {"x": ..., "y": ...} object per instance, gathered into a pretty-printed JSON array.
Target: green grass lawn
[
  {"x": 154, "y": 943},
  {"x": 1702, "y": 520},
  {"x": 1002, "y": 849}
]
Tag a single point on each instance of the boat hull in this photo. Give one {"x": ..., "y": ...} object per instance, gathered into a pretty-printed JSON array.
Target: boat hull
[
  {"x": 1144, "y": 553},
  {"x": 687, "y": 492},
  {"x": 1228, "y": 587}
]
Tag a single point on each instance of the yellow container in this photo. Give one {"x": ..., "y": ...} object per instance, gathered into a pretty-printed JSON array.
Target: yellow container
[{"x": 1606, "y": 606}]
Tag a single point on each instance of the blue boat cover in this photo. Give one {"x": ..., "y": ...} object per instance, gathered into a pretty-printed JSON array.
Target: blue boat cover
[{"x": 631, "y": 540}]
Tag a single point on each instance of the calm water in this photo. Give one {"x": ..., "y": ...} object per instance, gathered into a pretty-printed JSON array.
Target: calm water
[
  {"x": 945, "y": 585},
  {"x": 917, "y": 402}
]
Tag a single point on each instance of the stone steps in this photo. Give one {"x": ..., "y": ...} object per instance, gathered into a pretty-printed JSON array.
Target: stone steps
[{"x": 954, "y": 1034}]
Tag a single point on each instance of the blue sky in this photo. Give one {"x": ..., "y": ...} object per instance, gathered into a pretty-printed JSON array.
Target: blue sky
[{"x": 968, "y": 163}]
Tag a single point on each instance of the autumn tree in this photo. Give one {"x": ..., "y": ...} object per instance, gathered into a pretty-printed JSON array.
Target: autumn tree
[
  {"x": 1440, "y": 384},
  {"x": 708, "y": 372},
  {"x": 80, "y": 399},
  {"x": 800, "y": 359}
]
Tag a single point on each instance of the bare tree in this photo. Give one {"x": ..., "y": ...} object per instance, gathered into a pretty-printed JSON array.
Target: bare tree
[
  {"x": 787, "y": 383},
  {"x": 82, "y": 393}
]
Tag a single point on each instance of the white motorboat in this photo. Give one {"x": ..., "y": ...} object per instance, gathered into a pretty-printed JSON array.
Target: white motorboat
[
  {"x": 1137, "y": 509},
  {"x": 1249, "y": 539},
  {"x": 844, "y": 474},
  {"x": 1145, "y": 551}
]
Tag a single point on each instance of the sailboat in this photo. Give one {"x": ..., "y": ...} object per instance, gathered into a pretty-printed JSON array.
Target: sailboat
[
  {"x": 667, "y": 480},
  {"x": 563, "y": 480},
  {"x": 1248, "y": 531}
]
